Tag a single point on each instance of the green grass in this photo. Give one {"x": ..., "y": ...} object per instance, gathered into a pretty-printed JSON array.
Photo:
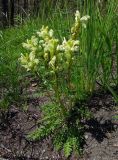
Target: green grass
[
  {"x": 10, "y": 49},
  {"x": 96, "y": 59}
]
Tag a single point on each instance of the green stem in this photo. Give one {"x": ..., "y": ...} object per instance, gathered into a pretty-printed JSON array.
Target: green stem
[{"x": 56, "y": 89}]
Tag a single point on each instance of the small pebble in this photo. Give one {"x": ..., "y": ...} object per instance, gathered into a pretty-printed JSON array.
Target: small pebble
[{"x": 86, "y": 136}]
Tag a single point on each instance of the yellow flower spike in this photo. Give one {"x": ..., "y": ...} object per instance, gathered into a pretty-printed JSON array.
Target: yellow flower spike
[
  {"x": 32, "y": 56},
  {"x": 27, "y": 45},
  {"x": 69, "y": 46},
  {"x": 85, "y": 18},
  {"x": 34, "y": 40},
  {"x": 77, "y": 16},
  {"x": 60, "y": 48},
  {"x": 31, "y": 44},
  {"x": 23, "y": 59},
  {"x": 79, "y": 21},
  {"x": 29, "y": 62},
  {"x": 51, "y": 33},
  {"x": 45, "y": 33},
  {"x": 32, "y": 65},
  {"x": 51, "y": 46},
  {"x": 52, "y": 62}
]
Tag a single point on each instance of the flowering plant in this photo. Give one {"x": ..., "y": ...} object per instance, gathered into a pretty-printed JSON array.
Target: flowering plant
[
  {"x": 56, "y": 61},
  {"x": 46, "y": 47}
]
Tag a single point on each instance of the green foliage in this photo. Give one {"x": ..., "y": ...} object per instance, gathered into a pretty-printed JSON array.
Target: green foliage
[
  {"x": 71, "y": 143},
  {"x": 69, "y": 139},
  {"x": 52, "y": 119},
  {"x": 66, "y": 130}
]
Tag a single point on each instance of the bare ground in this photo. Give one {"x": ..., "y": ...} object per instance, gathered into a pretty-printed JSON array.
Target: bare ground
[{"x": 101, "y": 133}]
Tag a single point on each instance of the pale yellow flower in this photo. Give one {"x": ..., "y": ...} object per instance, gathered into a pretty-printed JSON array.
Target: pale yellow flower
[
  {"x": 45, "y": 33},
  {"x": 52, "y": 62},
  {"x": 31, "y": 44},
  {"x": 77, "y": 16},
  {"x": 29, "y": 62},
  {"x": 83, "y": 20},
  {"x": 69, "y": 46},
  {"x": 23, "y": 59},
  {"x": 50, "y": 46},
  {"x": 79, "y": 21}
]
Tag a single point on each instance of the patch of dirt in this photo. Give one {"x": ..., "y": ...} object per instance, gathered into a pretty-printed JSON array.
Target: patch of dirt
[
  {"x": 101, "y": 133},
  {"x": 102, "y": 130}
]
